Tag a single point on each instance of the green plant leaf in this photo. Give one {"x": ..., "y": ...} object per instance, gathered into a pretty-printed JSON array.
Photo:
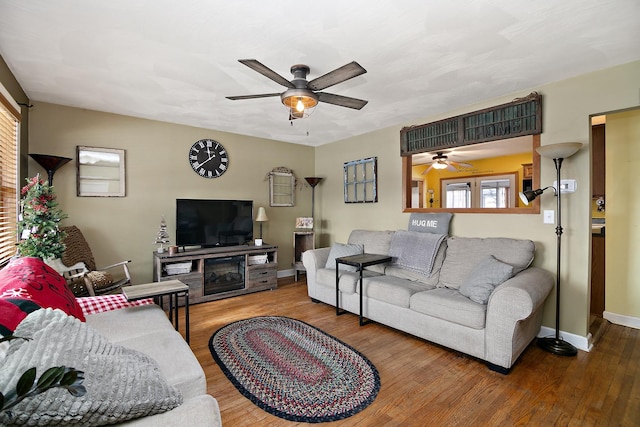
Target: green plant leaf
[
  {"x": 51, "y": 377},
  {"x": 26, "y": 382},
  {"x": 77, "y": 390}
]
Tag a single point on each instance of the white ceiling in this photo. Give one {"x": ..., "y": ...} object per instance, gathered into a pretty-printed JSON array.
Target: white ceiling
[{"x": 175, "y": 61}]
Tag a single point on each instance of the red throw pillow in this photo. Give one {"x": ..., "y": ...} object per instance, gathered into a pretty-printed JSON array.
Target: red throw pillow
[{"x": 27, "y": 284}]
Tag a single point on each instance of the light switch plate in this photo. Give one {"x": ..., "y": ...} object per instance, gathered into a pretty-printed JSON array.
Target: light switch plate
[
  {"x": 567, "y": 185},
  {"x": 549, "y": 216}
]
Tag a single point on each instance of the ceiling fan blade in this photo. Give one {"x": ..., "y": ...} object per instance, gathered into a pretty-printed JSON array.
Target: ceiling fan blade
[
  {"x": 336, "y": 76},
  {"x": 264, "y": 95},
  {"x": 426, "y": 171},
  {"x": 461, "y": 164},
  {"x": 267, "y": 72},
  {"x": 451, "y": 168},
  {"x": 343, "y": 101}
]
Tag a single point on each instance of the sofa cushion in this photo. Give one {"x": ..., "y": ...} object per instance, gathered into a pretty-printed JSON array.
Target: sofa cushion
[
  {"x": 483, "y": 279},
  {"x": 130, "y": 322},
  {"x": 179, "y": 366},
  {"x": 347, "y": 279},
  {"x": 464, "y": 253},
  {"x": 391, "y": 290},
  {"x": 373, "y": 242},
  {"x": 339, "y": 250},
  {"x": 450, "y": 305}
]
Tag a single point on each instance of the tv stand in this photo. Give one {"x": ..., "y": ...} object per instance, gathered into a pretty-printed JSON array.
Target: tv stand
[{"x": 220, "y": 272}]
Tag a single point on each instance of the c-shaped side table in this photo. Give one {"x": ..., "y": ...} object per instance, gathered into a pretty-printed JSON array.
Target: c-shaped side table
[{"x": 360, "y": 262}]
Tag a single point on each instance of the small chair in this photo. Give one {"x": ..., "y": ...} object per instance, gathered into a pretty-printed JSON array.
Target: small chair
[{"x": 78, "y": 267}]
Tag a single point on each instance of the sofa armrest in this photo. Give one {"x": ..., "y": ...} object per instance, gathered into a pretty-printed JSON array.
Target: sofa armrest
[
  {"x": 514, "y": 315},
  {"x": 313, "y": 260}
]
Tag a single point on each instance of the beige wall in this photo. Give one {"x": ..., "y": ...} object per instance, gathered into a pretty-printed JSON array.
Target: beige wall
[
  {"x": 157, "y": 172},
  {"x": 622, "y": 245},
  {"x": 13, "y": 87},
  {"x": 566, "y": 109}
]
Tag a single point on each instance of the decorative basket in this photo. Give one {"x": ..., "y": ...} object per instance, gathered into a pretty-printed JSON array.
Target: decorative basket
[
  {"x": 178, "y": 268},
  {"x": 257, "y": 259}
]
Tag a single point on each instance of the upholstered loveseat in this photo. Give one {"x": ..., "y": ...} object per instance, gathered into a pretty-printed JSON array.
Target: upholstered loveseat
[
  {"x": 477, "y": 296},
  {"x": 138, "y": 370}
]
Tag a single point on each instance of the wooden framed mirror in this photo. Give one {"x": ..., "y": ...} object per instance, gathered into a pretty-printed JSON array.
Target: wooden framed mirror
[
  {"x": 100, "y": 172},
  {"x": 476, "y": 162}
]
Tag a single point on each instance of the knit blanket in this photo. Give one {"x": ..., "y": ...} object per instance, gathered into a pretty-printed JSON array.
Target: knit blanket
[
  {"x": 121, "y": 383},
  {"x": 414, "y": 250}
]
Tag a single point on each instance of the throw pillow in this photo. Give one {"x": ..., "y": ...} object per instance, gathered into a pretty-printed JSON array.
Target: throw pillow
[
  {"x": 121, "y": 383},
  {"x": 339, "y": 250},
  {"x": 437, "y": 223},
  {"x": 27, "y": 284},
  {"x": 484, "y": 278}
]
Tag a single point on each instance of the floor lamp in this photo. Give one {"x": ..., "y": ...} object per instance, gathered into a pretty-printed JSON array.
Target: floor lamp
[
  {"x": 557, "y": 152},
  {"x": 50, "y": 163},
  {"x": 313, "y": 181}
]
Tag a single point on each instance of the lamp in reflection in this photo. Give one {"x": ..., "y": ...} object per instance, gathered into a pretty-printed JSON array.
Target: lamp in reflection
[{"x": 557, "y": 152}]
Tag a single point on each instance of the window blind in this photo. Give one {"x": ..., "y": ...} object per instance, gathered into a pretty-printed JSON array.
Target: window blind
[{"x": 9, "y": 196}]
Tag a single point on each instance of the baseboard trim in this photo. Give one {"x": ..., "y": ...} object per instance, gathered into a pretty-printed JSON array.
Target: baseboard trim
[
  {"x": 285, "y": 273},
  {"x": 579, "y": 342},
  {"x": 620, "y": 319}
]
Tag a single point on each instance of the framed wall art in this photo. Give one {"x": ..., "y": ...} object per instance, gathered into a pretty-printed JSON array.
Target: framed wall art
[{"x": 361, "y": 181}]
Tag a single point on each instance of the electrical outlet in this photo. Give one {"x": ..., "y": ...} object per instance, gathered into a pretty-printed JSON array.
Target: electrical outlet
[{"x": 549, "y": 217}]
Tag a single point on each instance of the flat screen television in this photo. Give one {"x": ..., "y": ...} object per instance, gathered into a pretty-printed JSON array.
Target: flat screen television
[{"x": 209, "y": 222}]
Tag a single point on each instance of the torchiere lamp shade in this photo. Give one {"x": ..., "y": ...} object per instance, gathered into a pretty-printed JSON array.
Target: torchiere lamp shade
[{"x": 50, "y": 163}]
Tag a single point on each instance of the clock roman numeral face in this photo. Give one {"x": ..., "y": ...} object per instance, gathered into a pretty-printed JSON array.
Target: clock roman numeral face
[{"x": 208, "y": 158}]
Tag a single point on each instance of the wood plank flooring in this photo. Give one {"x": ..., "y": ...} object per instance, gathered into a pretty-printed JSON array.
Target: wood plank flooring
[{"x": 426, "y": 385}]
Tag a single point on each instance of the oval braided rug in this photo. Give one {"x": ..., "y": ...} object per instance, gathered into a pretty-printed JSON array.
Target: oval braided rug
[{"x": 294, "y": 370}]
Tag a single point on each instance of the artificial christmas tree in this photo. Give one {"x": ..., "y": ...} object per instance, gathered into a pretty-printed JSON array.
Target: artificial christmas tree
[
  {"x": 163, "y": 235},
  {"x": 39, "y": 220}
]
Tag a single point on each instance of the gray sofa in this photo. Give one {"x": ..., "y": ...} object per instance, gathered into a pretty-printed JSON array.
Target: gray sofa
[
  {"x": 459, "y": 301},
  {"x": 147, "y": 329}
]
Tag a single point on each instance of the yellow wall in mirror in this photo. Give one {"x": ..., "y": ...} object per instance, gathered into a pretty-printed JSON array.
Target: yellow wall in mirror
[{"x": 490, "y": 166}]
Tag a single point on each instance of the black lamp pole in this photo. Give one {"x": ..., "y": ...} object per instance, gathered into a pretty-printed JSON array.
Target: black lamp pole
[{"x": 555, "y": 344}]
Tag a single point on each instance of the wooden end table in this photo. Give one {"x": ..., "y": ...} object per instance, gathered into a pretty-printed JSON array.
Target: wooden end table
[
  {"x": 172, "y": 288},
  {"x": 360, "y": 262}
]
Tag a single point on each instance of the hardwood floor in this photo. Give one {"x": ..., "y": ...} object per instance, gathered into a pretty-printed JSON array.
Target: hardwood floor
[{"x": 424, "y": 384}]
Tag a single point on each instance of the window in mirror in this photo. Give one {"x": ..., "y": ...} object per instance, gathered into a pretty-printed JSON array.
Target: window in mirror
[
  {"x": 100, "y": 172},
  {"x": 480, "y": 192}
]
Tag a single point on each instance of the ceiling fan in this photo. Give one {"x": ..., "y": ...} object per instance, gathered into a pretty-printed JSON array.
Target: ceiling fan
[
  {"x": 440, "y": 161},
  {"x": 301, "y": 95}
]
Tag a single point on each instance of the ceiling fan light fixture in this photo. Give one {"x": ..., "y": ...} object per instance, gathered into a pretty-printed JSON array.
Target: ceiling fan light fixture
[
  {"x": 300, "y": 102},
  {"x": 439, "y": 165}
]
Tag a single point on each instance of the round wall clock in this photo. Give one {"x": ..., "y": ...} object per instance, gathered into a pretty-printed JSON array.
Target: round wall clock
[{"x": 208, "y": 158}]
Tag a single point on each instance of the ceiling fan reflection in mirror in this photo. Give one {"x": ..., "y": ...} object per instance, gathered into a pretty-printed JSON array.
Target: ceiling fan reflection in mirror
[
  {"x": 302, "y": 96},
  {"x": 440, "y": 161}
]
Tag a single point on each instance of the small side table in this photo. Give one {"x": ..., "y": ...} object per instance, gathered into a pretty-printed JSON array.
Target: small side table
[
  {"x": 172, "y": 288},
  {"x": 360, "y": 262}
]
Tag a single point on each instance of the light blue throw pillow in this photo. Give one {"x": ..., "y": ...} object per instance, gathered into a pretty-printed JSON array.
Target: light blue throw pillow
[{"x": 484, "y": 278}]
